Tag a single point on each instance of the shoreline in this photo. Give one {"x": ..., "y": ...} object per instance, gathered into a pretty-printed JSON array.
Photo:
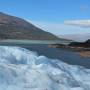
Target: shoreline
[{"x": 83, "y": 51}]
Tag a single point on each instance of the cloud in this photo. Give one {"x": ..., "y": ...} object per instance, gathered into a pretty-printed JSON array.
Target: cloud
[
  {"x": 64, "y": 30},
  {"x": 59, "y": 28},
  {"x": 81, "y": 23}
]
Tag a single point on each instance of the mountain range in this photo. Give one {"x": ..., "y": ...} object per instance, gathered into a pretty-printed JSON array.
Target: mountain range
[
  {"x": 12, "y": 27},
  {"x": 76, "y": 37}
]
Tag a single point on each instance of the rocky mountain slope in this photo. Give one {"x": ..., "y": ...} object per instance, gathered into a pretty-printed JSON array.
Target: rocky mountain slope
[{"x": 12, "y": 27}]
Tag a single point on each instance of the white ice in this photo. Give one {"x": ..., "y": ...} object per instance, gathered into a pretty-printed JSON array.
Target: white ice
[{"x": 21, "y": 69}]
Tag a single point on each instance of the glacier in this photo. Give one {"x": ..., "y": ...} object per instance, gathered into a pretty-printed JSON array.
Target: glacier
[{"x": 21, "y": 69}]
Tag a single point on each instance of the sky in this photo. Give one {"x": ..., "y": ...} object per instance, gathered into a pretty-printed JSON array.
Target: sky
[{"x": 55, "y": 16}]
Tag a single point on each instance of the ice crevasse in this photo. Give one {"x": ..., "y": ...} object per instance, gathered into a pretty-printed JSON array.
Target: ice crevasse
[{"x": 21, "y": 69}]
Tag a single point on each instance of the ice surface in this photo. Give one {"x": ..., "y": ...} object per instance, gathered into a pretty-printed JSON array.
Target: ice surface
[{"x": 21, "y": 69}]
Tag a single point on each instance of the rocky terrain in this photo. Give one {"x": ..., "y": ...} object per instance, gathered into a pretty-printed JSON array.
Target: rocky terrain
[{"x": 12, "y": 27}]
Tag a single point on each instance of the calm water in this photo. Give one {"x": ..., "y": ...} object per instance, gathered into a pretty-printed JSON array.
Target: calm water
[
  {"x": 69, "y": 57},
  {"x": 28, "y": 42}
]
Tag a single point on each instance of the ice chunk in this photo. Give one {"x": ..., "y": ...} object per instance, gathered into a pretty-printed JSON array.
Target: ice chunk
[{"x": 21, "y": 69}]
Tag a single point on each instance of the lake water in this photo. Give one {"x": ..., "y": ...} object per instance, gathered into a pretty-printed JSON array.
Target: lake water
[
  {"x": 28, "y": 42},
  {"x": 69, "y": 57}
]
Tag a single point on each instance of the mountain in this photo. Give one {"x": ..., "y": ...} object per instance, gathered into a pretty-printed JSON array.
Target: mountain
[
  {"x": 12, "y": 27},
  {"x": 85, "y": 44},
  {"x": 76, "y": 37},
  {"x": 21, "y": 69}
]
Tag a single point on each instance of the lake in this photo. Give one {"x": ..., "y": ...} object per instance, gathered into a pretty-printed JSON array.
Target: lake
[
  {"x": 67, "y": 56},
  {"x": 28, "y": 42}
]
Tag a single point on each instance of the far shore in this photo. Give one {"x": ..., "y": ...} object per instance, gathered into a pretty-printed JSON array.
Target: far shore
[{"x": 83, "y": 51}]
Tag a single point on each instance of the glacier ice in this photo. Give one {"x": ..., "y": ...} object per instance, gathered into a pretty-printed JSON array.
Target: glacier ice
[{"x": 21, "y": 69}]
